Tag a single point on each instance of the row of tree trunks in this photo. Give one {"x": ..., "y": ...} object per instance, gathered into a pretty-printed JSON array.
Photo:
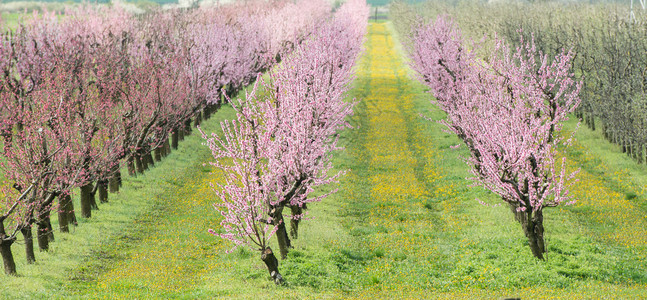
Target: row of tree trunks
[{"x": 66, "y": 214}]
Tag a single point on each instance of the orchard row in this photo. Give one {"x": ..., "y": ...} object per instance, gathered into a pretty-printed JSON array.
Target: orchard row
[
  {"x": 507, "y": 108},
  {"x": 84, "y": 92},
  {"x": 278, "y": 149}
]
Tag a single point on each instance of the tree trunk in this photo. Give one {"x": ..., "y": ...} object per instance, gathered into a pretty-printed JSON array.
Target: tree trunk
[
  {"x": 144, "y": 161},
  {"x": 114, "y": 181},
  {"x": 187, "y": 127},
  {"x": 29, "y": 244},
  {"x": 533, "y": 227},
  {"x": 180, "y": 133},
  {"x": 5, "y": 250},
  {"x": 158, "y": 153},
  {"x": 71, "y": 213},
  {"x": 62, "y": 216},
  {"x": 281, "y": 232},
  {"x": 120, "y": 179},
  {"x": 206, "y": 112},
  {"x": 175, "y": 135},
  {"x": 103, "y": 191},
  {"x": 167, "y": 148},
  {"x": 294, "y": 223},
  {"x": 149, "y": 159},
  {"x": 131, "y": 166},
  {"x": 66, "y": 214},
  {"x": 534, "y": 230},
  {"x": 48, "y": 224},
  {"x": 7, "y": 256},
  {"x": 86, "y": 200},
  {"x": 138, "y": 163},
  {"x": 267, "y": 256},
  {"x": 532, "y": 224},
  {"x": 42, "y": 235},
  {"x": 198, "y": 119}
]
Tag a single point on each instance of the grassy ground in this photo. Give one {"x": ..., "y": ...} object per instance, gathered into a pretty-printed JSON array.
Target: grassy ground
[
  {"x": 404, "y": 223},
  {"x": 10, "y": 19}
]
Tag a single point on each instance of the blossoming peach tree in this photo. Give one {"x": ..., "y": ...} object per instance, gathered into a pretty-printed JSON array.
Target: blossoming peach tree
[
  {"x": 279, "y": 147},
  {"x": 508, "y": 110}
]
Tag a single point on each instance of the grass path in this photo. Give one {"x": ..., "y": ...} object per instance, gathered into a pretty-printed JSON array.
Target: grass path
[{"x": 404, "y": 223}]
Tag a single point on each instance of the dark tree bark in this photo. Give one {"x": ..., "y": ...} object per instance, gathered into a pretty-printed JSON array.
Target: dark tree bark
[
  {"x": 131, "y": 166},
  {"x": 139, "y": 164},
  {"x": 175, "y": 136},
  {"x": 86, "y": 200},
  {"x": 62, "y": 218},
  {"x": 144, "y": 162},
  {"x": 281, "y": 232},
  {"x": 29, "y": 244},
  {"x": 198, "y": 119},
  {"x": 7, "y": 256},
  {"x": 294, "y": 223},
  {"x": 158, "y": 153},
  {"x": 42, "y": 235},
  {"x": 267, "y": 256},
  {"x": 167, "y": 148},
  {"x": 115, "y": 180},
  {"x": 187, "y": 127},
  {"x": 46, "y": 220},
  {"x": 103, "y": 191},
  {"x": 5, "y": 250},
  {"x": 149, "y": 159},
  {"x": 180, "y": 133},
  {"x": 66, "y": 214},
  {"x": 532, "y": 224},
  {"x": 206, "y": 112}
]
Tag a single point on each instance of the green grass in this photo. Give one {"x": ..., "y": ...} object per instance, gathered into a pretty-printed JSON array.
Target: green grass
[
  {"x": 404, "y": 223},
  {"x": 10, "y": 20}
]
